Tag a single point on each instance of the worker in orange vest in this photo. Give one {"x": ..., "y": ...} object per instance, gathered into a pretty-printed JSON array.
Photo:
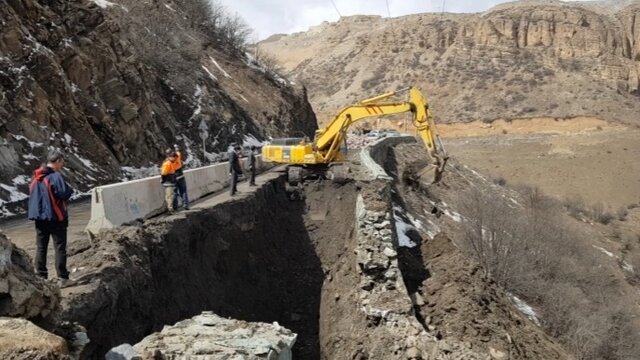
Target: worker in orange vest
[
  {"x": 168, "y": 177},
  {"x": 181, "y": 182}
]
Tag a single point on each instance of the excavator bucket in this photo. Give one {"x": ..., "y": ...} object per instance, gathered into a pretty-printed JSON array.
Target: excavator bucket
[
  {"x": 339, "y": 173},
  {"x": 429, "y": 175},
  {"x": 420, "y": 173}
]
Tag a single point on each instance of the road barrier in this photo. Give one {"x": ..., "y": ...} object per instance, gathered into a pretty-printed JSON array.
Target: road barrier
[{"x": 116, "y": 204}]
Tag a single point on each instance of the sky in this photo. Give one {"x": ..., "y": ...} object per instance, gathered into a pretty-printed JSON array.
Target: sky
[{"x": 268, "y": 17}]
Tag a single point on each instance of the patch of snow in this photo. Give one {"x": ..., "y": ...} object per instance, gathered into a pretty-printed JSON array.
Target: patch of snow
[
  {"x": 250, "y": 140},
  {"x": 87, "y": 163},
  {"x": 219, "y": 67},
  {"x": 74, "y": 88},
  {"x": 628, "y": 267},
  {"x": 29, "y": 157},
  {"x": 402, "y": 227},
  {"x": 525, "y": 309},
  {"x": 608, "y": 253},
  {"x": 21, "y": 180},
  {"x": 255, "y": 64},
  {"x": 191, "y": 161},
  {"x": 244, "y": 98},
  {"x": 432, "y": 229},
  {"x": 132, "y": 173},
  {"x": 453, "y": 215},
  {"x": 67, "y": 138},
  {"x": 18, "y": 70},
  {"x": 14, "y": 193},
  {"x": 103, "y": 3},
  {"x": 475, "y": 173},
  {"x": 198, "y": 94},
  {"x": 209, "y": 72},
  {"x": 169, "y": 7},
  {"x": 4, "y": 212},
  {"x": 33, "y": 144},
  {"x": 79, "y": 195}
]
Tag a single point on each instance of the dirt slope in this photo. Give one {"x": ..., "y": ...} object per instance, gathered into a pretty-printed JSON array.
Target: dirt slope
[{"x": 576, "y": 269}]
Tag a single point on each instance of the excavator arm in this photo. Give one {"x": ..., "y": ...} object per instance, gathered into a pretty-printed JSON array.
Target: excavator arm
[{"x": 328, "y": 140}]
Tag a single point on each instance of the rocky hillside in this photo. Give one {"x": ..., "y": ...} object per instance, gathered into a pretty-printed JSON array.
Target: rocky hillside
[
  {"x": 114, "y": 82},
  {"x": 518, "y": 60}
]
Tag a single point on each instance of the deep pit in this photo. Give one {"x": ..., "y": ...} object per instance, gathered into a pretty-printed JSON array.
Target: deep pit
[{"x": 260, "y": 258}]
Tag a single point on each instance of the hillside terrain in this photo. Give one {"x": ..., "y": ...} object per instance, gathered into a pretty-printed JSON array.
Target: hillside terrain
[
  {"x": 111, "y": 84},
  {"x": 518, "y": 60}
]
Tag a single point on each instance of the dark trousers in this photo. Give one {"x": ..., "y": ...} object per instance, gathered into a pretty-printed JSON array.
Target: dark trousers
[
  {"x": 234, "y": 182},
  {"x": 58, "y": 231},
  {"x": 252, "y": 179},
  {"x": 181, "y": 190}
]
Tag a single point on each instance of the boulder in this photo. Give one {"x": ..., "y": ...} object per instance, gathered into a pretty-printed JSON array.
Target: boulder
[
  {"x": 23, "y": 293},
  {"x": 20, "y": 339},
  {"x": 210, "y": 336}
]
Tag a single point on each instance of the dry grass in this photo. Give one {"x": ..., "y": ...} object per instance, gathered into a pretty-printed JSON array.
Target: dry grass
[{"x": 538, "y": 253}]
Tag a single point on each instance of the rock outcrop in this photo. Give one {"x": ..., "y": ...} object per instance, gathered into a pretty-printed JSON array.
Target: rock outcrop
[
  {"x": 209, "y": 335},
  {"x": 108, "y": 83},
  {"x": 521, "y": 59},
  {"x": 22, "y": 293},
  {"x": 29, "y": 324},
  {"x": 20, "y": 339}
]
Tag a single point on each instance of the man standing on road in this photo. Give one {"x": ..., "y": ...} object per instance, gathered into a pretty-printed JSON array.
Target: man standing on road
[
  {"x": 168, "y": 176},
  {"x": 252, "y": 166},
  {"x": 48, "y": 197},
  {"x": 234, "y": 168},
  {"x": 181, "y": 183}
]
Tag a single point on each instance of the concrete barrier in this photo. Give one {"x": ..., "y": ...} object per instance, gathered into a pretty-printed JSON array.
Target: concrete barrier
[{"x": 116, "y": 204}]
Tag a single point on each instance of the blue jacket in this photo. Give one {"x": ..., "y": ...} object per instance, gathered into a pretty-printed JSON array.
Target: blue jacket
[{"x": 48, "y": 196}]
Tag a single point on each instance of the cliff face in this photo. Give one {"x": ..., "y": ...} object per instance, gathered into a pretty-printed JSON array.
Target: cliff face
[
  {"x": 98, "y": 80},
  {"x": 522, "y": 59}
]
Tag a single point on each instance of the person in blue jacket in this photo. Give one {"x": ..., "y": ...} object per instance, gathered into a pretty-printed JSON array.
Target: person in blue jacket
[{"x": 48, "y": 197}]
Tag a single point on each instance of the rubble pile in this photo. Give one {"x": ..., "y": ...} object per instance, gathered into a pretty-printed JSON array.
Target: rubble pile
[{"x": 208, "y": 336}]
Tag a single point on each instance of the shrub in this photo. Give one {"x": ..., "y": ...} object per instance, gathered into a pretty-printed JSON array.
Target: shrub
[
  {"x": 535, "y": 252},
  {"x": 622, "y": 213},
  {"x": 500, "y": 180}
]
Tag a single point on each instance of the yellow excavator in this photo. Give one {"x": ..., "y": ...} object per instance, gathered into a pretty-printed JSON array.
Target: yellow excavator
[{"x": 323, "y": 156}]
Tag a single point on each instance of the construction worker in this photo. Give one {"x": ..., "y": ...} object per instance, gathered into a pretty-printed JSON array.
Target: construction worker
[
  {"x": 234, "y": 168},
  {"x": 48, "y": 196},
  {"x": 181, "y": 182},
  {"x": 168, "y": 176},
  {"x": 252, "y": 166}
]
